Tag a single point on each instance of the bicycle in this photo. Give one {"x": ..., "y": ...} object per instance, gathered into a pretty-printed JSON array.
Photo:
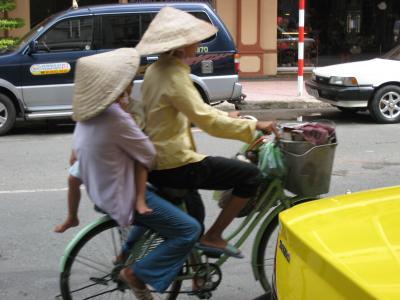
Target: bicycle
[{"x": 86, "y": 272}]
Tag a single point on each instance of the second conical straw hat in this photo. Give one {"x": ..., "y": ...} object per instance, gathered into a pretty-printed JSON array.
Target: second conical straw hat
[
  {"x": 100, "y": 79},
  {"x": 171, "y": 29}
]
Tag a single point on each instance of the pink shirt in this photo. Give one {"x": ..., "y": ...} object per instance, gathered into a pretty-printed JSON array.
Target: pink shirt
[{"x": 107, "y": 147}]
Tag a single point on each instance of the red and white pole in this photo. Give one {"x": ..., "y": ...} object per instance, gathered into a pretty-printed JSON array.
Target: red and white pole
[{"x": 300, "y": 62}]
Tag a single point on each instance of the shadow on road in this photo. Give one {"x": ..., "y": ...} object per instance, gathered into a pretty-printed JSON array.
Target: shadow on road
[
  {"x": 263, "y": 297},
  {"x": 67, "y": 126},
  {"x": 42, "y": 127}
]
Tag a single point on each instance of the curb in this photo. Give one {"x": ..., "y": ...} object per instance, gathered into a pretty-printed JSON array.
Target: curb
[{"x": 295, "y": 103}]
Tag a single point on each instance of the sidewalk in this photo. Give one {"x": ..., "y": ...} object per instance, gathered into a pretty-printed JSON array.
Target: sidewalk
[{"x": 277, "y": 94}]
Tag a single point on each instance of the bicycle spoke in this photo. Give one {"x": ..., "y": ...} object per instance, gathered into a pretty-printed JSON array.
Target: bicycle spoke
[
  {"x": 114, "y": 242},
  {"x": 99, "y": 294},
  {"x": 81, "y": 259},
  {"x": 87, "y": 286}
]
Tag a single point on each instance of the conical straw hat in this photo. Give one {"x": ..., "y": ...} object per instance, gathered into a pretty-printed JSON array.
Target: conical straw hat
[
  {"x": 100, "y": 79},
  {"x": 171, "y": 29}
]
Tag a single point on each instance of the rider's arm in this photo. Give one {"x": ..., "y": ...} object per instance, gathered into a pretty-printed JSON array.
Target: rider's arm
[{"x": 187, "y": 100}]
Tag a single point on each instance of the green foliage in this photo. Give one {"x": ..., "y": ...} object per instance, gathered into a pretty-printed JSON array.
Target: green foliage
[
  {"x": 7, "y": 5},
  {"x": 6, "y": 24},
  {"x": 7, "y": 42}
]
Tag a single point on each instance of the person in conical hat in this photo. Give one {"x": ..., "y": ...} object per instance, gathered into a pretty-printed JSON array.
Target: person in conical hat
[
  {"x": 171, "y": 103},
  {"x": 114, "y": 157}
]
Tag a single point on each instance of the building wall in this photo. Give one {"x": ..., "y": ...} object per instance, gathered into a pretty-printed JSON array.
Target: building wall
[
  {"x": 253, "y": 26},
  {"x": 269, "y": 10},
  {"x": 21, "y": 11}
]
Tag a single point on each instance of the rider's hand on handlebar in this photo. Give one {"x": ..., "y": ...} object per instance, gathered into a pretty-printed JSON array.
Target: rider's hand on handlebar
[
  {"x": 234, "y": 114},
  {"x": 268, "y": 127}
]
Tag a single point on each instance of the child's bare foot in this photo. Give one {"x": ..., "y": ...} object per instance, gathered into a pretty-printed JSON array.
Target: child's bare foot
[
  {"x": 68, "y": 223},
  {"x": 143, "y": 209}
]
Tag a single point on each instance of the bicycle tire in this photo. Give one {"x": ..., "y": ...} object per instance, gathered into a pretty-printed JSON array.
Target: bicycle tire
[
  {"x": 266, "y": 254},
  {"x": 267, "y": 250},
  {"x": 89, "y": 270}
]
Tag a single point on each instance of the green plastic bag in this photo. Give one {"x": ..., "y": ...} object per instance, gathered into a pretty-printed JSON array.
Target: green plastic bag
[{"x": 271, "y": 161}]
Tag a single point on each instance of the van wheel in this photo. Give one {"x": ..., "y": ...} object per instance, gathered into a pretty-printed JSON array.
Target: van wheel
[
  {"x": 202, "y": 94},
  {"x": 385, "y": 105},
  {"x": 7, "y": 114}
]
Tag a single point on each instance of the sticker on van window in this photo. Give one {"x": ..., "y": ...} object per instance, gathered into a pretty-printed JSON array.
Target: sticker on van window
[{"x": 49, "y": 69}]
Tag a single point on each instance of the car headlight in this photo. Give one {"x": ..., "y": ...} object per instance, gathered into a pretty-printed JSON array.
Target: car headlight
[
  {"x": 345, "y": 81},
  {"x": 313, "y": 77}
]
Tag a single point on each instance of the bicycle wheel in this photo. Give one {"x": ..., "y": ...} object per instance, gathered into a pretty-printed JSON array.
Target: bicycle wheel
[
  {"x": 267, "y": 248},
  {"x": 89, "y": 271},
  {"x": 266, "y": 255}
]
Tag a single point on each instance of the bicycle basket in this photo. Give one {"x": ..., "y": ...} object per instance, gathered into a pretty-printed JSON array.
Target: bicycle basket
[{"x": 309, "y": 167}]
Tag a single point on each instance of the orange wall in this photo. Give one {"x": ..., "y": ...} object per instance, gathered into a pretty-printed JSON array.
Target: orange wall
[
  {"x": 22, "y": 11},
  {"x": 253, "y": 26}
]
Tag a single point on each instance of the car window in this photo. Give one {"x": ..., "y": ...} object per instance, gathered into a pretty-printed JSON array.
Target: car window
[
  {"x": 127, "y": 30},
  {"x": 393, "y": 54},
  {"x": 203, "y": 16},
  {"x": 68, "y": 35},
  {"x": 124, "y": 30}
]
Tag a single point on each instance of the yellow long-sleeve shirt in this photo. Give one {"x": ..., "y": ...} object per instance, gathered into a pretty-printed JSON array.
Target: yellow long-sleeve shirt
[{"x": 171, "y": 102}]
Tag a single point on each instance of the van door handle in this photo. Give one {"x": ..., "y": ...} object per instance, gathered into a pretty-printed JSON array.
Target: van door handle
[{"x": 151, "y": 59}]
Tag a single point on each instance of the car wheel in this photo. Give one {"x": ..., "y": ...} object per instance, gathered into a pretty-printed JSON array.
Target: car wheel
[
  {"x": 385, "y": 104},
  {"x": 7, "y": 114},
  {"x": 202, "y": 94}
]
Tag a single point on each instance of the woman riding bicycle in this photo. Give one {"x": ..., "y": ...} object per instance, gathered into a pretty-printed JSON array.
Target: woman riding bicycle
[
  {"x": 172, "y": 103},
  {"x": 109, "y": 146}
]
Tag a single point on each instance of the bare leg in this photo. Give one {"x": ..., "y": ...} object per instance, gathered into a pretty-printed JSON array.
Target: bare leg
[
  {"x": 138, "y": 288},
  {"x": 213, "y": 237},
  {"x": 74, "y": 197}
]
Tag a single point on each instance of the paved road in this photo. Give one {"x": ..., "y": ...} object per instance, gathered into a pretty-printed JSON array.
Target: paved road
[{"x": 33, "y": 187}]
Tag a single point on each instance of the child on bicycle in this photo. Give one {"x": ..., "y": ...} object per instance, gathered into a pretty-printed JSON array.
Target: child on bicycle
[
  {"x": 172, "y": 102},
  {"x": 109, "y": 147},
  {"x": 74, "y": 179}
]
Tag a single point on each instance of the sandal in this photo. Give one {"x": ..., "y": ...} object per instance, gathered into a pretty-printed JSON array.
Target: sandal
[
  {"x": 229, "y": 250},
  {"x": 142, "y": 294}
]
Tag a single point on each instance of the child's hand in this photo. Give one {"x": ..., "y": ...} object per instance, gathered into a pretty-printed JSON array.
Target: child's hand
[
  {"x": 72, "y": 158},
  {"x": 234, "y": 114},
  {"x": 141, "y": 207}
]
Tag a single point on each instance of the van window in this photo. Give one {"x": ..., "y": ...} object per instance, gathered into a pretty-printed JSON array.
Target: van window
[
  {"x": 203, "y": 16},
  {"x": 68, "y": 35},
  {"x": 124, "y": 30}
]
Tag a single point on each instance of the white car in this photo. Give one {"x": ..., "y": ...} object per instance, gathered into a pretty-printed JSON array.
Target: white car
[{"x": 372, "y": 84}]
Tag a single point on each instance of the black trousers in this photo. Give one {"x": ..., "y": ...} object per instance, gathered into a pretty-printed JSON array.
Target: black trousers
[{"x": 212, "y": 173}]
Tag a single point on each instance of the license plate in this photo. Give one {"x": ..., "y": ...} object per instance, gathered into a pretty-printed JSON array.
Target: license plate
[{"x": 313, "y": 92}]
